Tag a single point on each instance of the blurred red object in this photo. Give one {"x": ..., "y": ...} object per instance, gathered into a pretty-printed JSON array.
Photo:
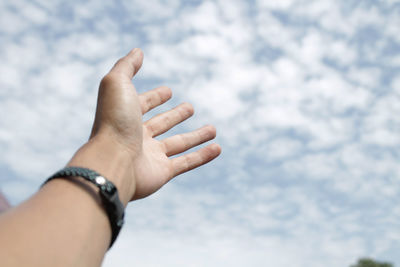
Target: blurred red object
[{"x": 4, "y": 205}]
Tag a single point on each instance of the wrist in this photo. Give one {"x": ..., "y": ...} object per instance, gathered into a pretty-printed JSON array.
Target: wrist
[{"x": 110, "y": 160}]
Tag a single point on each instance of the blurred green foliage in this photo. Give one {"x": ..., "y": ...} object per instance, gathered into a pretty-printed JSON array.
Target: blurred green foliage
[{"x": 366, "y": 262}]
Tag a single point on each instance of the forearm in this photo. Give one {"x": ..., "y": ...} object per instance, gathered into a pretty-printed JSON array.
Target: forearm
[
  {"x": 111, "y": 160},
  {"x": 64, "y": 224}
]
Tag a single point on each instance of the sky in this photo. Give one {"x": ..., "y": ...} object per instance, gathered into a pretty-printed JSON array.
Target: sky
[{"x": 305, "y": 96}]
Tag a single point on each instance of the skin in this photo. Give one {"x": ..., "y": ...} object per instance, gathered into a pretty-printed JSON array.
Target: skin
[{"x": 64, "y": 224}]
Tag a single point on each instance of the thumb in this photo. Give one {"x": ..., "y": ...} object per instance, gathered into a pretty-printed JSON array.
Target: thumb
[{"x": 130, "y": 64}]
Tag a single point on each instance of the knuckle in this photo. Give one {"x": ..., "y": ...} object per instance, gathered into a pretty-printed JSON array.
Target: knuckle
[
  {"x": 199, "y": 135},
  {"x": 149, "y": 101},
  {"x": 159, "y": 96},
  {"x": 187, "y": 163},
  {"x": 185, "y": 140},
  {"x": 168, "y": 120},
  {"x": 165, "y": 147},
  {"x": 108, "y": 80},
  {"x": 149, "y": 128},
  {"x": 120, "y": 61}
]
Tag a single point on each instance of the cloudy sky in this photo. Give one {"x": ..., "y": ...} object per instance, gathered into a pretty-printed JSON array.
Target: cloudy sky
[{"x": 305, "y": 96}]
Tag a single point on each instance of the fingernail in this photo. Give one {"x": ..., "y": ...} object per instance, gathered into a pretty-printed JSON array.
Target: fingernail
[{"x": 135, "y": 51}]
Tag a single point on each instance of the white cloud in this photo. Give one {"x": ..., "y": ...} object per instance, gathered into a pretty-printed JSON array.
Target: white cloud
[
  {"x": 381, "y": 127},
  {"x": 154, "y": 9},
  {"x": 299, "y": 96},
  {"x": 366, "y": 77},
  {"x": 284, "y": 4}
]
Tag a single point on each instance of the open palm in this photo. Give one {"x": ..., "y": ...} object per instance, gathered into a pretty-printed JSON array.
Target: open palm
[
  {"x": 154, "y": 167},
  {"x": 120, "y": 109}
]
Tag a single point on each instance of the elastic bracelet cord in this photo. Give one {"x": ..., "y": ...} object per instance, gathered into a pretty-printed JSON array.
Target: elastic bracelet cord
[{"x": 108, "y": 194}]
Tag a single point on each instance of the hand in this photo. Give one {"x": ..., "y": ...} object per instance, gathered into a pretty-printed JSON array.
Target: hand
[
  {"x": 65, "y": 215},
  {"x": 119, "y": 117}
]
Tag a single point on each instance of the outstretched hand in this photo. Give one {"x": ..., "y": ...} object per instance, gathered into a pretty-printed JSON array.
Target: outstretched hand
[
  {"x": 64, "y": 219},
  {"x": 119, "y": 117}
]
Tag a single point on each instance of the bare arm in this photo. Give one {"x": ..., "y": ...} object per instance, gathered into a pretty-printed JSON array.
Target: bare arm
[{"x": 64, "y": 224}]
